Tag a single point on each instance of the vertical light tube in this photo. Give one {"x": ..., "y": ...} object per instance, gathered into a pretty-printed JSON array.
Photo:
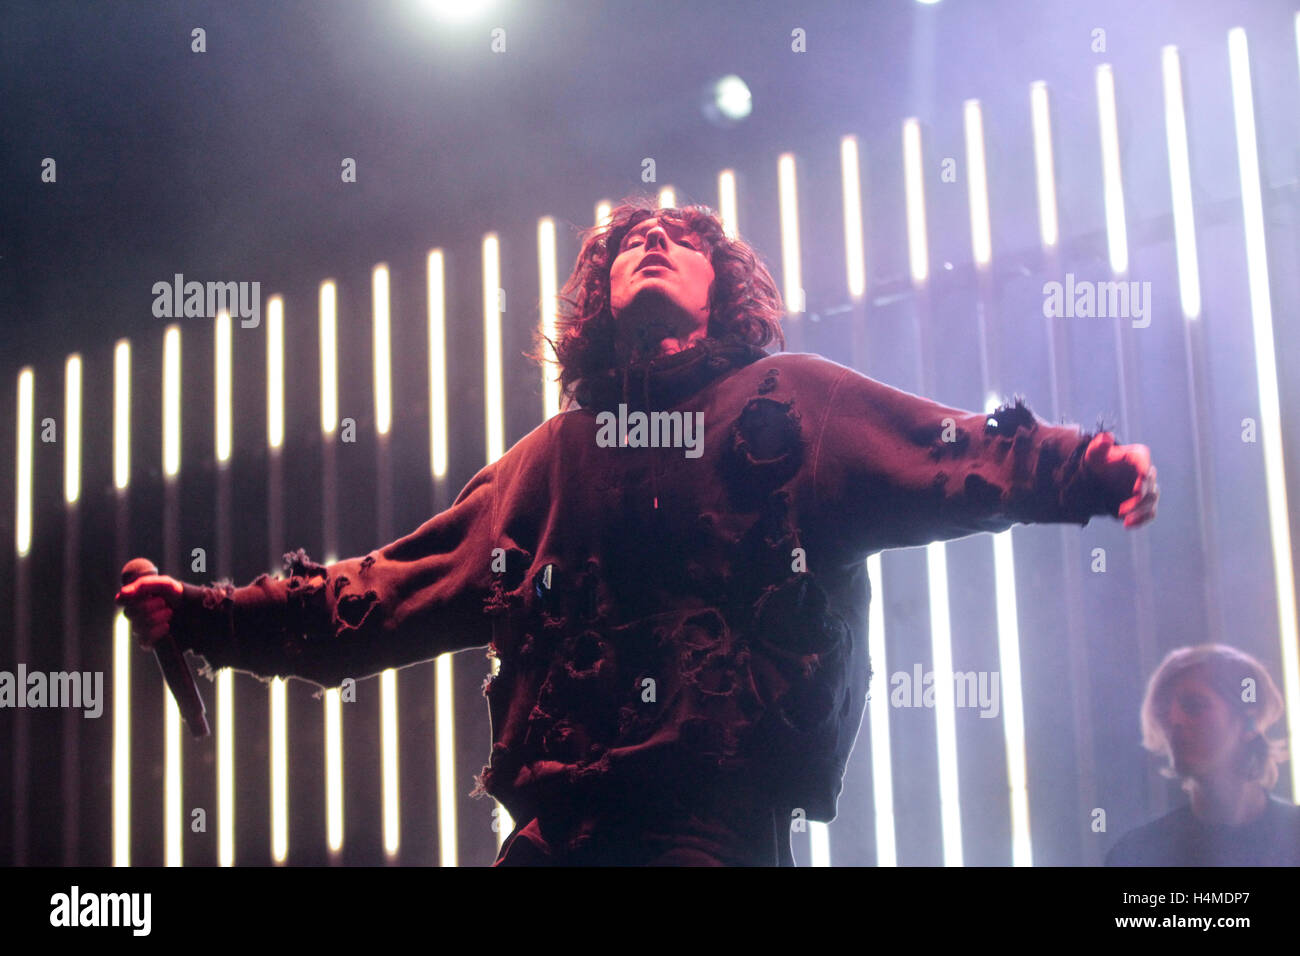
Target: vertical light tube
[
  {"x": 25, "y": 424},
  {"x": 279, "y": 772},
  {"x": 72, "y": 429},
  {"x": 225, "y": 768},
  {"x": 977, "y": 183},
  {"x": 1013, "y": 719},
  {"x": 173, "y": 833},
  {"x": 223, "y": 383},
  {"x": 667, "y": 197},
  {"x": 1112, "y": 180},
  {"x": 171, "y": 418},
  {"x": 1180, "y": 182},
  {"x": 122, "y": 741},
  {"x": 492, "y": 377},
  {"x": 225, "y": 680},
  {"x": 727, "y": 207},
  {"x": 121, "y": 629},
  {"x": 1044, "y": 164},
  {"x": 380, "y": 303},
  {"x": 493, "y": 384},
  {"x": 604, "y": 212},
  {"x": 855, "y": 260},
  {"x": 918, "y": 244},
  {"x": 945, "y": 713},
  {"x": 546, "y": 270},
  {"x": 383, "y": 350},
  {"x": 437, "y": 293},
  {"x": 275, "y": 372},
  {"x": 788, "y": 201},
  {"x": 329, "y": 361},
  {"x": 172, "y": 813},
  {"x": 334, "y": 769},
  {"x": 388, "y": 735},
  {"x": 1270, "y": 411},
  {"x": 819, "y": 841},
  {"x": 121, "y": 414},
  {"x": 882, "y": 774},
  {"x": 445, "y": 754}
]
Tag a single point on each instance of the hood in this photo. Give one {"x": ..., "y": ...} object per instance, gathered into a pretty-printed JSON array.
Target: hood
[{"x": 666, "y": 380}]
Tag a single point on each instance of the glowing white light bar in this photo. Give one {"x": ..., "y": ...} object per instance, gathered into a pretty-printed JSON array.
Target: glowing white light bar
[
  {"x": 882, "y": 775},
  {"x": 279, "y": 772},
  {"x": 727, "y": 208},
  {"x": 1012, "y": 695},
  {"x": 492, "y": 377},
  {"x": 1270, "y": 413},
  {"x": 788, "y": 202},
  {"x": 945, "y": 712},
  {"x": 171, "y": 412},
  {"x": 388, "y": 746},
  {"x": 1044, "y": 165},
  {"x": 121, "y": 741},
  {"x": 329, "y": 359},
  {"x": 546, "y": 270},
  {"x": 918, "y": 245},
  {"x": 223, "y": 374},
  {"x": 1180, "y": 182},
  {"x": 1013, "y": 705},
  {"x": 25, "y": 423},
  {"x": 383, "y": 350},
  {"x": 225, "y": 767},
  {"x": 445, "y": 754},
  {"x": 977, "y": 183},
  {"x": 855, "y": 260},
  {"x": 667, "y": 197},
  {"x": 504, "y": 824},
  {"x": 604, "y": 212},
  {"x": 1112, "y": 181},
  {"x": 172, "y": 815},
  {"x": 819, "y": 843},
  {"x": 275, "y": 372},
  {"x": 121, "y": 414},
  {"x": 437, "y": 293},
  {"x": 72, "y": 429},
  {"x": 334, "y": 770}
]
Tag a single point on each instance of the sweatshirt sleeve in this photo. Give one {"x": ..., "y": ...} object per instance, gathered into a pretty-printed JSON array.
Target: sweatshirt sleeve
[
  {"x": 900, "y": 470},
  {"x": 407, "y": 602}
]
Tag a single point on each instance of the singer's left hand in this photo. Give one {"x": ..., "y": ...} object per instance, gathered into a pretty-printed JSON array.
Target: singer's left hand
[{"x": 1126, "y": 468}]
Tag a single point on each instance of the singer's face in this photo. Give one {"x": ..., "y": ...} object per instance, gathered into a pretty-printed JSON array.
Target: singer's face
[{"x": 661, "y": 277}]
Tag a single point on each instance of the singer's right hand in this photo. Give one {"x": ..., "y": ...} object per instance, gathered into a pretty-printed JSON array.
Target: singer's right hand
[{"x": 147, "y": 603}]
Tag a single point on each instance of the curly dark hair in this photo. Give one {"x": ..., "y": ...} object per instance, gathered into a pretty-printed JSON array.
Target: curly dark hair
[{"x": 744, "y": 303}]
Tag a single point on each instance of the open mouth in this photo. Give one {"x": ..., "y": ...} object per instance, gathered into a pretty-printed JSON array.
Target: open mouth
[{"x": 654, "y": 260}]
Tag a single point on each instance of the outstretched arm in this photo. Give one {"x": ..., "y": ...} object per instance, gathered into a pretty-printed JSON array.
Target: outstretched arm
[
  {"x": 905, "y": 470},
  {"x": 407, "y": 602}
]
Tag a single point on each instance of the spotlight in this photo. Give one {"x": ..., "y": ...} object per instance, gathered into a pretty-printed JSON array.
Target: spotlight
[
  {"x": 456, "y": 9},
  {"x": 726, "y": 101}
]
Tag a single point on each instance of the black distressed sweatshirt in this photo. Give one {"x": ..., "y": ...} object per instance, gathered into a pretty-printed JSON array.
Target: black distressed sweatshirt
[{"x": 668, "y": 624}]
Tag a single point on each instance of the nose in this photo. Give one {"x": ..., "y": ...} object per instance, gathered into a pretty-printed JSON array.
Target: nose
[{"x": 656, "y": 235}]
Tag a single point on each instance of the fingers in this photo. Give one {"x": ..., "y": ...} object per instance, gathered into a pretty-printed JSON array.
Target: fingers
[
  {"x": 150, "y": 585},
  {"x": 147, "y": 603},
  {"x": 1141, "y": 508}
]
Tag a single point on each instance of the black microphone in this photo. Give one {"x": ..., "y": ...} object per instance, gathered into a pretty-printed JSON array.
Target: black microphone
[{"x": 176, "y": 673}]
